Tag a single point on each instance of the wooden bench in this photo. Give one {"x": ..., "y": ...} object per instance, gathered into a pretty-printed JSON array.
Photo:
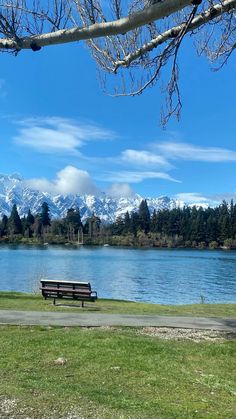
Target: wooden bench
[{"x": 67, "y": 289}]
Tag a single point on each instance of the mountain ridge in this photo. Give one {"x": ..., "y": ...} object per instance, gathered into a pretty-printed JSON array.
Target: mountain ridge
[{"x": 14, "y": 190}]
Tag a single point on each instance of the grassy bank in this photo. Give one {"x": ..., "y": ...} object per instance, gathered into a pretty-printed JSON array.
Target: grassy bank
[
  {"x": 113, "y": 373},
  {"x": 35, "y": 302}
]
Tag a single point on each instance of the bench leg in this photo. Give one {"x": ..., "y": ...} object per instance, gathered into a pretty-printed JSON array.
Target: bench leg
[
  {"x": 82, "y": 303},
  {"x": 54, "y": 301}
]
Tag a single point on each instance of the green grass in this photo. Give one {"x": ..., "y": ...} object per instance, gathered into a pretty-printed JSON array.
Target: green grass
[
  {"x": 115, "y": 373},
  {"x": 34, "y": 302}
]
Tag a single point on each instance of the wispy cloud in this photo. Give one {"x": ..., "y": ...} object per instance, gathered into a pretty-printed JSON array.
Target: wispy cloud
[
  {"x": 69, "y": 180},
  {"x": 190, "y": 197},
  {"x": 184, "y": 151},
  {"x": 66, "y": 137},
  {"x": 136, "y": 176},
  {"x": 144, "y": 158},
  {"x": 227, "y": 196},
  {"x": 159, "y": 160},
  {"x": 59, "y": 135}
]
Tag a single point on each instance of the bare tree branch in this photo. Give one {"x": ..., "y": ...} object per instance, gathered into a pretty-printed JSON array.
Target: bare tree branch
[
  {"x": 97, "y": 30},
  {"x": 203, "y": 18},
  {"x": 132, "y": 41}
]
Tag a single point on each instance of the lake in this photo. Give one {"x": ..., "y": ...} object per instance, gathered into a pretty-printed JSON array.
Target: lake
[{"x": 161, "y": 276}]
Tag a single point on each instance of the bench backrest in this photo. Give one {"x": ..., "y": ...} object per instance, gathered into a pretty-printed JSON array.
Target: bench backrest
[{"x": 74, "y": 285}]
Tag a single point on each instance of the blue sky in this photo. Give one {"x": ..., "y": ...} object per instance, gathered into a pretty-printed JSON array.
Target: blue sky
[{"x": 64, "y": 135}]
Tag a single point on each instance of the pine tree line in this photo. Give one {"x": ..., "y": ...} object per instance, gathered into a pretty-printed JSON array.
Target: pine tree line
[
  {"x": 191, "y": 227},
  {"x": 188, "y": 227},
  {"x": 40, "y": 225}
]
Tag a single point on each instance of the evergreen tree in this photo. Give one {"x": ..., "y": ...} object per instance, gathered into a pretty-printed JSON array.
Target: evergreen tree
[
  {"x": 144, "y": 217},
  {"x": 174, "y": 222},
  {"x": 23, "y": 223},
  {"x": 118, "y": 227},
  {"x": 224, "y": 222},
  {"x": 163, "y": 221},
  {"x": 127, "y": 223},
  {"x": 29, "y": 219},
  {"x": 153, "y": 223},
  {"x": 38, "y": 227},
  {"x": 134, "y": 223},
  {"x": 212, "y": 231},
  {"x": 14, "y": 222},
  {"x": 185, "y": 223},
  {"x": 4, "y": 225},
  {"x": 28, "y": 224},
  {"x": 58, "y": 227},
  {"x": 193, "y": 233},
  {"x": 200, "y": 235},
  {"x": 73, "y": 219},
  {"x": 233, "y": 219},
  {"x": 73, "y": 223},
  {"x": 45, "y": 218},
  {"x": 86, "y": 227}
]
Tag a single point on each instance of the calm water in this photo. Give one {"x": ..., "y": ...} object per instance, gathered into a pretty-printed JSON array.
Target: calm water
[{"x": 152, "y": 275}]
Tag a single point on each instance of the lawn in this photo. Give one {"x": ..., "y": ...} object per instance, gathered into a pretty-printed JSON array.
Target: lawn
[
  {"x": 35, "y": 302},
  {"x": 75, "y": 373},
  {"x": 113, "y": 373}
]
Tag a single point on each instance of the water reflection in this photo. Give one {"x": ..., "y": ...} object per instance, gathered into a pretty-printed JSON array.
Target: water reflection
[{"x": 152, "y": 275}]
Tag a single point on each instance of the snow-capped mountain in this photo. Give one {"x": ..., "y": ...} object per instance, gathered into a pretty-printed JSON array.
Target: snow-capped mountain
[{"x": 14, "y": 190}]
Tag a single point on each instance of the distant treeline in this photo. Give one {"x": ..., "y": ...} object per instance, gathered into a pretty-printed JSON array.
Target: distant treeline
[
  {"x": 186, "y": 227},
  {"x": 40, "y": 226}
]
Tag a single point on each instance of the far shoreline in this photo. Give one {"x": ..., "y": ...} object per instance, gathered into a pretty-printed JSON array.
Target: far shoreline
[{"x": 41, "y": 244}]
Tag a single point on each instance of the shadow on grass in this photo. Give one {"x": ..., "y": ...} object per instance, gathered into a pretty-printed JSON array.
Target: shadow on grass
[{"x": 86, "y": 307}]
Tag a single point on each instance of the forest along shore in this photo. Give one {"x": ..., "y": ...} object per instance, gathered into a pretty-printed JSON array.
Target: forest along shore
[{"x": 188, "y": 227}]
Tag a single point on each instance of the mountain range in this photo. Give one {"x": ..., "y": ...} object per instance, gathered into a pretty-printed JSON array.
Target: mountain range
[{"x": 14, "y": 190}]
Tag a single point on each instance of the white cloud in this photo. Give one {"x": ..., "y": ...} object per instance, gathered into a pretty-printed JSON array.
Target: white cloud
[
  {"x": 118, "y": 190},
  {"x": 190, "y": 197},
  {"x": 196, "y": 198},
  {"x": 69, "y": 180},
  {"x": 144, "y": 158},
  {"x": 58, "y": 135},
  {"x": 137, "y": 176},
  {"x": 184, "y": 151}
]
